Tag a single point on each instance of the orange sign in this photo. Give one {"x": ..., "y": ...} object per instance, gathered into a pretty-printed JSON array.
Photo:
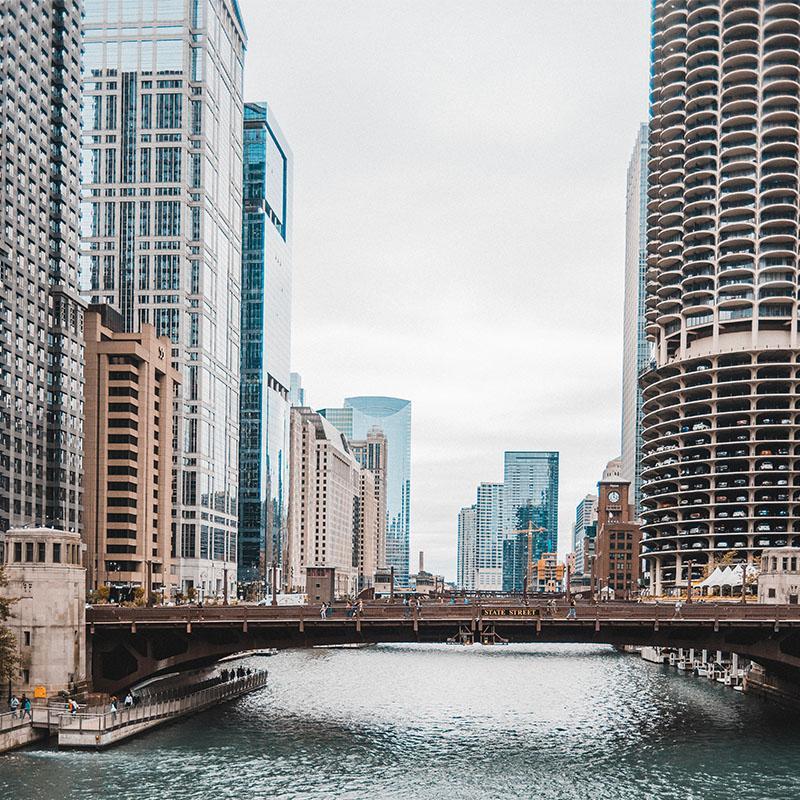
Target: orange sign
[{"x": 39, "y": 693}]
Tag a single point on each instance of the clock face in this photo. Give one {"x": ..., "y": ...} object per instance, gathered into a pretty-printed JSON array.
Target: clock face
[{"x": 613, "y": 497}]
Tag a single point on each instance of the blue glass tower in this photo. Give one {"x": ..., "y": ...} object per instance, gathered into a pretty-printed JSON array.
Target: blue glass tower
[
  {"x": 265, "y": 346},
  {"x": 530, "y": 481},
  {"x": 393, "y": 416}
]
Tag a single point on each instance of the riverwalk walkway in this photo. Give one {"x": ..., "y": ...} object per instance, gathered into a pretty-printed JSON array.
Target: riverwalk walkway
[{"x": 94, "y": 729}]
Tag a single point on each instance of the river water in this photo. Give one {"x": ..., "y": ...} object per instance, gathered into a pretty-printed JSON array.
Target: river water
[{"x": 555, "y": 722}]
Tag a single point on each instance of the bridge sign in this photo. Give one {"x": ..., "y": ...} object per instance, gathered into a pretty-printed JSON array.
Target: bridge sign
[{"x": 510, "y": 612}]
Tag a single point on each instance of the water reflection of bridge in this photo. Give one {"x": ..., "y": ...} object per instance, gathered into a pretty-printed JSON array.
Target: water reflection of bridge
[{"x": 129, "y": 644}]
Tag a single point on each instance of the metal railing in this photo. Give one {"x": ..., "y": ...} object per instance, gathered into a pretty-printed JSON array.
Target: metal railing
[
  {"x": 10, "y": 720},
  {"x": 432, "y": 610},
  {"x": 102, "y": 722}
]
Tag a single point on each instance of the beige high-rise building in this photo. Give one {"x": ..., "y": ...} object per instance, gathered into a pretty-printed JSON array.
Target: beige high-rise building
[
  {"x": 130, "y": 387},
  {"x": 369, "y": 530},
  {"x": 720, "y": 422},
  {"x": 325, "y": 502},
  {"x": 373, "y": 454}
]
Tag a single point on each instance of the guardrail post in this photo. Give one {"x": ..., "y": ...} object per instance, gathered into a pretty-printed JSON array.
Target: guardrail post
[
  {"x": 302, "y": 621},
  {"x": 655, "y": 618},
  {"x": 777, "y": 615}
]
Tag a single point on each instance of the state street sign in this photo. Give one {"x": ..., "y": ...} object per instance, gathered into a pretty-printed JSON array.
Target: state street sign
[{"x": 510, "y": 612}]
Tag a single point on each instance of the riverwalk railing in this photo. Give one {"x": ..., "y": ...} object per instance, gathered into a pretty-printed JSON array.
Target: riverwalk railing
[
  {"x": 10, "y": 721},
  {"x": 164, "y": 708}
]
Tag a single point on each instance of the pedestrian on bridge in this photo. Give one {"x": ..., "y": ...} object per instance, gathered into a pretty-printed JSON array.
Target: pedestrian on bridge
[
  {"x": 128, "y": 700},
  {"x": 573, "y": 611},
  {"x": 678, "y": 613},
  {"x": 14, "y": 705},
  {"x": 323, "y": 611},
  {"x": 26, "y": 707},
  {"x": 113, "y": 706}
]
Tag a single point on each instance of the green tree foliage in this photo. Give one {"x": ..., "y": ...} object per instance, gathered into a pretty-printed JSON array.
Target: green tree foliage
[{"x": 8, "y": 644}]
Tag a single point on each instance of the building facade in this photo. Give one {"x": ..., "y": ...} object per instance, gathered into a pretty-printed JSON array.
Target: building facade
[
  {"x": 489, "y": 537},
  {"x": 635, "y": 348},
  {"x": 369, "y": 530},
  {"x": 41, "y": 369},
  {"x": 372, "y": 454},
  {"x": 618, "y": 544},
  {"x": 45, "y": 573},
  {"x": 325, "y": 521},
  {"x": 265, "y": 348},
  {"x": 393, "y": 416},
  {"x": 530, "y": 480},
  {"x": 467, "y": 548},
  {"x": 583, "y": 533},
  {"x": 130, "y": 388},
  {"x": 161, "y": 229},
  {"x": 719, "y": 411}
]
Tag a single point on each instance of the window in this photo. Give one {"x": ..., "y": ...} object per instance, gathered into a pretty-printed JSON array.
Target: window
[
  {"x": 41, "y": 554},
  {"x": 770, "y": 593},
  {"x": 169, "y": 110},
  {"x": 56, "y": 552},
  {"x": 17, "y": 551},
  {"x": 29, "y": 551},
  {"x": 26, "y": 638}
]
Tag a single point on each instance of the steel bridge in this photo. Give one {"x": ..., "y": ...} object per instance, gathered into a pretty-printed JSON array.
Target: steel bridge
[{"x": 127, "y": 645}]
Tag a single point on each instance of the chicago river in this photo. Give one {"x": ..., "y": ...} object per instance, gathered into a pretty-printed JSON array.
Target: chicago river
[{"x": 555, "y": 722}]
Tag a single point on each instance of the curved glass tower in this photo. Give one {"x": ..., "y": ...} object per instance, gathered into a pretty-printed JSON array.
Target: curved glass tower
[
  {"x": 720, "y": 420},
  {"x": 393, "y": 416}
]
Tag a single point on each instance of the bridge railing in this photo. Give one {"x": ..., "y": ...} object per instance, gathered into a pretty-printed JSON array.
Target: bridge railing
[
  {"x": 101, "y": 722},
  {"x": 377, "y": 611}
]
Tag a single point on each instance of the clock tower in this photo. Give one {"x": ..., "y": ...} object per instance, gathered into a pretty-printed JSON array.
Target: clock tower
[{"x": 618, "y": 545}]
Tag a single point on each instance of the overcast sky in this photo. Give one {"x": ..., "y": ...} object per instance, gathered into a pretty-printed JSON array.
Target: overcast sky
[{"x": 459, "y": 206}]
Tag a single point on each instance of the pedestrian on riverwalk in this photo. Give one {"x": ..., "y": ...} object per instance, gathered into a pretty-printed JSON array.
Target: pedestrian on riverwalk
[
  {"x": 129, "y": 700},
  {"x": 361, "y": 607},
  {"x": 113, "y": 706},
  {"x": 13, "y": 704},
  {"x": 25, "y": 704}
]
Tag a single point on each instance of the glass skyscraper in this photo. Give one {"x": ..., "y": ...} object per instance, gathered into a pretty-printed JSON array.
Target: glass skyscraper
[
  {"x": 41, "y": 368},
  {"x": 161, "y": 225},
  {"x": 266, "y": 335},
  {"x": 393, "y": 416},
  {"x": 635, "y": 348},
  {"x": 530, "y": 497},
  {"x": 489, "y": 537}
]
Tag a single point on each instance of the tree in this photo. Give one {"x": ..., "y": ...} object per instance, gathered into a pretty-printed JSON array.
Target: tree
[{"x": 8, "y": 643}]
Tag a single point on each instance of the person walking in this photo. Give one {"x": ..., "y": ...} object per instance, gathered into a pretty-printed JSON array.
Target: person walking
[
  {"x": 13, "y": 704},
  {"x": 323, "y": 611},
  {"x": 573, "y": 611},
  {"x": 26, "y": 707},
  {"x": 128, "y": 700},
  {"x": 419, "y": 608},
  {"x": 113, "y": 705},
  {"x": 678, "y": 613}
]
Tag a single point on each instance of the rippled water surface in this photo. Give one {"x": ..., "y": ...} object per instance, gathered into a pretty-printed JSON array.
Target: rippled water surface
[{"x": 550, "y": 723}]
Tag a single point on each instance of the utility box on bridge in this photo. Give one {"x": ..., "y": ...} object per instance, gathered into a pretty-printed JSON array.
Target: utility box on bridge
[
  {"x": 320, "y": 584},
  {"x": 46, "y": 576}
]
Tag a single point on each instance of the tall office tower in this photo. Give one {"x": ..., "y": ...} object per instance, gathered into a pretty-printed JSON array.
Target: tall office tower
[
  {"x": 161, "y": 220},
  {"x": 467, "y": 542},
  {"x": 720, "y": 414},
  {"x": 41, "y": 370},
  {"x": 297, "y": 394},
  {"x": 302, "y": 498},
  {"x": 265, "y": 336},
  {"x": 530, "y": 479},
  {"x": 635, "y": 349},
  {"x": 373, "y": 454},
  {"x": 489, "y": 537},
  {"x": 369, "y": 530},
  {"x": 130, "y": 387},
  {"x": 584, "y": 528},
  {"x": 393, "y": 417},
  {"x": 325, "y": 509}
]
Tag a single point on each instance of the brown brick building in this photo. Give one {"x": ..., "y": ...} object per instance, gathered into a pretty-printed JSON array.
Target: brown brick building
[
  {"x": 130, "y": 386},
  {"x": 618, "y": 543}
]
